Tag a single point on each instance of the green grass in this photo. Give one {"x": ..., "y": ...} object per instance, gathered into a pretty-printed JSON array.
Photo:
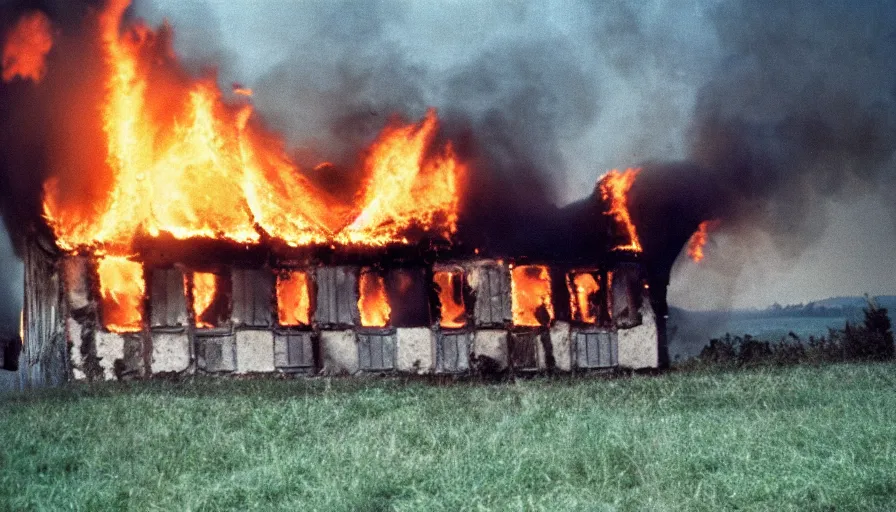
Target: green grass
[{"x": 797, "y": 438}]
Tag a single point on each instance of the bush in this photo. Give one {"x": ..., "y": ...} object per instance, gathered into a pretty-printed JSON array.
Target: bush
[{"x": 872, "y": 340}]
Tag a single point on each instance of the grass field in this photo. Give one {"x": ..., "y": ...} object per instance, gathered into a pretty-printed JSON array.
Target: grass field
[{"x": 797, "y": 438}]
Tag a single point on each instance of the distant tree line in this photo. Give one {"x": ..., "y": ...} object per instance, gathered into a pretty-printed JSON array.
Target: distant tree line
[{"x": 870, "y": 339}]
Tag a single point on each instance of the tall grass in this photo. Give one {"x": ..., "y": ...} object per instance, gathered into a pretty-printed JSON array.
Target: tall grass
[{"x": 794, "y": 438}]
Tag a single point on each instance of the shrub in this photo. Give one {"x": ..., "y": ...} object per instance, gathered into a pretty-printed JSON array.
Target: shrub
[{"x": 872, "y": 340}]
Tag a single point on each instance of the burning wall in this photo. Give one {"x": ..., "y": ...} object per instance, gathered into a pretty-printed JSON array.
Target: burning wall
[{"x": 131, "y": 319}]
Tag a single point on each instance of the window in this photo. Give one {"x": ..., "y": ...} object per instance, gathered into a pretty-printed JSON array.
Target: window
[
  {"x": 121, "y": 294},
  {"x": 589, "y": 297},
  {"x": 407, "y": 293},
  {"x": 373, "y": 303},
  {"x": 452, "y": 310},
  {"x": 531, "y": 296},
  {"x": 293, "y": 298},
  {"x": 210, "y": 295}
]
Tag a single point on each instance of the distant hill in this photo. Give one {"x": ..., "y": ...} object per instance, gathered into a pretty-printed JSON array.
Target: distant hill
[{"x": 884, "y": 301}]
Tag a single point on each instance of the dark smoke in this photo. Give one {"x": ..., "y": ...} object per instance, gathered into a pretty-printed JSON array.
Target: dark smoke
[{"x": 801, "y": 111}]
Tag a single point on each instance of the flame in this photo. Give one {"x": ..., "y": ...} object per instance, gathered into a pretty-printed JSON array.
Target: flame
[
  {"x": 581, "y": 290},
  {"x": 451, "y": 298},
  {"x": 22, "y": 326},
  {"x": 121, "y": 289},
  {"x": 188, "y": 165},
  {"x": 405, "y": 186},
  {"x": 242, "y": 91},
  {"x": 205, "y": 286},
  {"x": 26, "y": 47},
  {"x": 698, "y": 241},
  {"x": 293, "y": 299},
  {"x": 614, "y": 187},
  {"x": 373, "y": 303},
  {"x": 530, "y": 289}
]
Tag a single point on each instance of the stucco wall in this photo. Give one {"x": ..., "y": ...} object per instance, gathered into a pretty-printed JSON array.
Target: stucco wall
[
  {"x": 339, "y": 352},
  {"x": 415, "y": 350},
  {"x": 254, "y": 351},
  {"x": 170, "y": 352},
  {"x": 639, "y": 346}
]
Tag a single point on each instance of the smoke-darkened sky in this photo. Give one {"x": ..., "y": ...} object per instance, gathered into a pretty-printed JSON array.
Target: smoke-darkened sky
[
  {"x": 583, "y": 87},
  {"x": 788, "y": 106}
]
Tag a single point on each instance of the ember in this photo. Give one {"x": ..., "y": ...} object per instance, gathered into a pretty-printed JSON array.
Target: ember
[
  {"x": 373, "y": 302},
  {"x": 121, "y": 288},
  {"x": 451, "y": 298},
  {"x": 26, "y": 48},
  {"x": 293, "y": 299},
  {"x": 531, "y": 296}
]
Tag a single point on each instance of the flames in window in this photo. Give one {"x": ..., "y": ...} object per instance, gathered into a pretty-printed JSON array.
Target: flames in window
[
  {"x": 121, "y": 292},
  {"x": 530, "y": 287},
  {"x": 451, "y": 298},
  {"x": 293, "y": 299},
  {"x": 210, "y": 298},
  {"x": 583, "y": 293},
  {"x": 373, "y": 302}
]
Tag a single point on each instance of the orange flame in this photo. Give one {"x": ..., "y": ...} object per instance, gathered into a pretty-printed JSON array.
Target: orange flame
[
  {"x": 205, "y": 285},
  {"x": 582, "y": 288},
  {"x": 186, "y": 164},
  {"x": 530, "y": 289},
  {"x": 451, "y": 298},
  {"x": 614, "y": 188},
  {"x": 242, "y": 91},
  {"x": 373, "y": 303},
  {"x": 698, "y": 241},
  {"x": 26, "y": 47},
  {"x": 406, "y": 187},
  {"x": 293, "y": 299},
  {"x": 121, "y": 290}
]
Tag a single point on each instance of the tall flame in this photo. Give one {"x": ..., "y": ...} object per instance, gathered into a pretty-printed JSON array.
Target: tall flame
[
  {"x": 698, "y": 241},
  {"x": 451, "y": 298},
  {"x": 188, "y": 165},
  {"x": 530, "y": 293},
  {"x": 373, "y": 302},
  {"x": 406, "y": 186},
  {"x": 293, "y": 299},
  {"x": 205, "y": 286},
  {"x": 121, "y": 290},
  {"x": 26, "y": 47},
  {"x": 583, "y": 287},
  {"x": 614, "y": 187}
]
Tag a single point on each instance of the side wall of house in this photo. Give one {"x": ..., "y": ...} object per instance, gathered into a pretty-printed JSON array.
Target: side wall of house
[
  {"x": 488, "y": 342},
  {"x": 44, "y": 360}
]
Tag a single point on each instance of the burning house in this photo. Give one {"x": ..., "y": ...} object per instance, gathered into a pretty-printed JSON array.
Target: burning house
[
  {"x": 202, "y": 248},
  {"x": 421, "y": 306}
]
